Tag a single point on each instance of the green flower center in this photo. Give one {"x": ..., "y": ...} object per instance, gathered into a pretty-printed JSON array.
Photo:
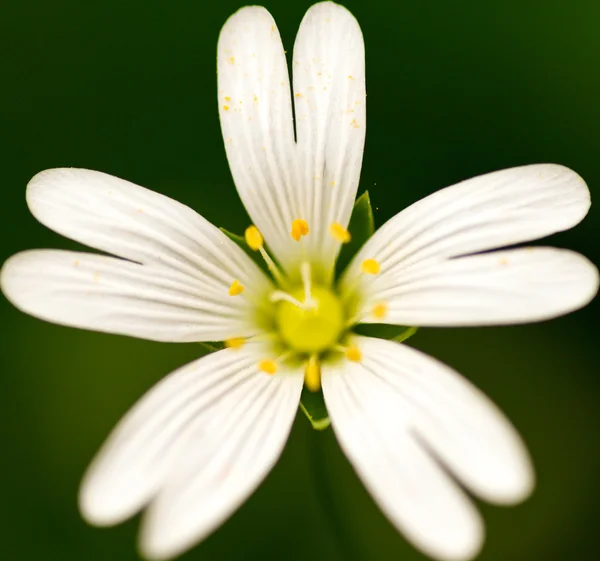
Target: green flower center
[{"x": 314, "y": 327}]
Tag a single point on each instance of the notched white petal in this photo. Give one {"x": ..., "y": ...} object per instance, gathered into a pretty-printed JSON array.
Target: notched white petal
[
  {"x": 280, "y": 181},
  {"x": 397, "y": 414},
  {"x": 216, "y": 409},
  {"x": 111, "y": 295},
  {"x": 487, "y": 212},
  {"x": 129, "y": 221}
]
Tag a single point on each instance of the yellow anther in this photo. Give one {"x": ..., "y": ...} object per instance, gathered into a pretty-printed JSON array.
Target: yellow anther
[
  {"x": 380, "y": 310},
  {"x": 254, "y": 238},
  {"x": 299, "y": 228},
  {"x": 236, "y": 288},
  {"x": 235, "y": 343},
  {"x": 339, "y": 233},
  {"x": 353, "y": 353},
  {"x": 267, "y": 366},
  {"x": 370, "y": 266},
  {"x": 312, "y": 374}
]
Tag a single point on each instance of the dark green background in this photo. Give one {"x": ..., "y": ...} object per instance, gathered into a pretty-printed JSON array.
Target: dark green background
[{"x": 455, "y": 89}]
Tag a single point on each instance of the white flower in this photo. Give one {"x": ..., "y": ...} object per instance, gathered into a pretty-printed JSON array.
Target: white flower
[{"x": 201, "y": 441}]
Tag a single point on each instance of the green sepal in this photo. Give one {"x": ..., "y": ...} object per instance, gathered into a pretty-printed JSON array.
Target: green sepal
[
  {"x": 361, "y": 228},
  {"x": 313, "y": 406},
  {"x": 212, "y": 346},
  {"x": 397, "y": 333},
  {"x": 241, "y": 242}
]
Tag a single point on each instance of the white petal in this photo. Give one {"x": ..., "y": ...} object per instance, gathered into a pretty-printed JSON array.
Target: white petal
[
  {"x": 487, "y": 212},
  {"x": 278, "y": 180},
  {"x": 502, "y": 287},
  {"x": 397, "y": 414},
  {"x": 115, "y": 296},
  {"x": 198, "y": 409},
  {"x": 330, "y": 105},
  {"x": 132, "y": 222},
  {"x": 224, "y": 462},
  {"x": 256, "y": 120}
]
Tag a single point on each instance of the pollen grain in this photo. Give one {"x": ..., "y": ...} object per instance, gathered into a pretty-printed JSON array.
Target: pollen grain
[
  {"x": 267, "y": 366},
  {"x": 339, "y": 233},
  {"x": 370, "y": 266},
  {"x": 234, "y": 343},
  {"x": 312, "y": 374},
  {"x": 236, "y": 288},
  {"x": 353, "y": 353},
  {"x": 253, "y": 238},
  {"x": 380, "y": 310},
  {"x": 299, "y": 228}
]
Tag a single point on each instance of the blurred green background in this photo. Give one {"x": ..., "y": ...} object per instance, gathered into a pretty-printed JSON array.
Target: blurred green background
[{"x": 455, "y": 89}]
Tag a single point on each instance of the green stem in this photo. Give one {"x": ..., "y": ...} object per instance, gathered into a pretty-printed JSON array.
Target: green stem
[{"x": 325, "y": 494}]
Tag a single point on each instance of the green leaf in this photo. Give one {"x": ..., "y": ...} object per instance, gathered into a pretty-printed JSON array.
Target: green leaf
[
  {"x": 361, "y": 228},
  {"x": 313, "y": 406},
  {"x": 398, "y": 333},
  {"x": 241, "y": 241}
]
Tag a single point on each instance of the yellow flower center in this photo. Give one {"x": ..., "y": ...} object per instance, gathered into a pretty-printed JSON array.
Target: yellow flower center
[{"x": 315, "y": 326}]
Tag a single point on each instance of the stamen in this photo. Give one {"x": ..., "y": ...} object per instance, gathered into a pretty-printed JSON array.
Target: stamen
[
  {"x": 339, "y": 233},
  {"x": 234, "y": 343},
  {"x": 353, "y": 353},
  {"x": 236, "y": 288},
  {"x": 380, "y": 310},
  {"x": 268, "y": 366},
  {"x": 272, "y": 267},
  {"x": 370, "y": 266},
  {"x": 308, "y": 303},
  {"x": 253, "y": 238},
  {"x": 256, "y": 242},
  {"x": 312, "y": 374},
  {"x": 299, "y": 228},
  {"x": 306, "y": 281}
]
